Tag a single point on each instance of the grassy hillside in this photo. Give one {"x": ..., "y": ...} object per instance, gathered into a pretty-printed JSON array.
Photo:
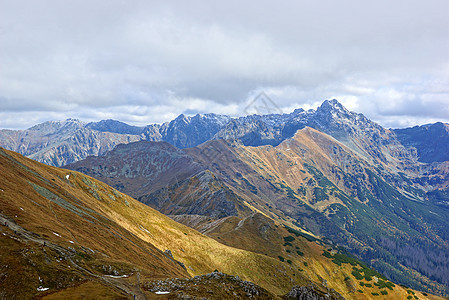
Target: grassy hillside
[
  {"x": 315, "y": 182},
  {"x": 64, "y": 230},
  {"x": 68, "y": 235}
]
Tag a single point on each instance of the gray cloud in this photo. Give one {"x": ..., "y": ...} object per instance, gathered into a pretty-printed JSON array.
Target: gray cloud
[{"x": 147, "y": 61}]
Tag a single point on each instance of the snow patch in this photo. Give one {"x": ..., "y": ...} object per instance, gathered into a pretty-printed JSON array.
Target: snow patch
[
  {"x": 117, "y": 276},
  {"x": 56, "y": 234},
  {"x": 145, "y": 230},
  {"x": 162, "y": 292},
  {"x": 71, "y": 242},
  {"x": 21, "y": 208},
  {"x": 42, "y": 289},
  {"x": 67, "y": 176}
]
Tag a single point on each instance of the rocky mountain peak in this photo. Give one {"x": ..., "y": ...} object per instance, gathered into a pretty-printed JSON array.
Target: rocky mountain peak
[
  {"x": 114, "y": 126},
  {"x": 334, "y": 109},
  {"x": 54, "y": 126}
]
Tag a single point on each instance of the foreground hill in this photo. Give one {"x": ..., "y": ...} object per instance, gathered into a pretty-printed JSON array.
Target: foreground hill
[{"x": 67, "y": 235}]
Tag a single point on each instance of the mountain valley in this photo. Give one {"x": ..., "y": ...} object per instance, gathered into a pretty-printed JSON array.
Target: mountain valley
[{"x": 323, "y": 199}]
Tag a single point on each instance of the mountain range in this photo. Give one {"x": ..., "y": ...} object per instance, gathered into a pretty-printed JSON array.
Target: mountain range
[
  {"x": 327, "y": 176},
  {"x": 59, "y": 143},
  {"x": 67, "y": 235}
]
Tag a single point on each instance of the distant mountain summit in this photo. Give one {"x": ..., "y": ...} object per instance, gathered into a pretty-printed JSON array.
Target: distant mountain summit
[
  {"x": 431, "y": 141},
  {"x": 115, "y": 127},
  {"x": 62, "y": 142},
  {"x": 185, "y": 132}
]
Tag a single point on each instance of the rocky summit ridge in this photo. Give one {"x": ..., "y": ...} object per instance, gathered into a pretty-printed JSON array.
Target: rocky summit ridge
[{"x": 59, "y": 143}]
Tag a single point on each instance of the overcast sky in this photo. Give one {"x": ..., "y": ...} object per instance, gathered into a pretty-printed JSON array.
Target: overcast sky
[{"x": 145, "y": 62}]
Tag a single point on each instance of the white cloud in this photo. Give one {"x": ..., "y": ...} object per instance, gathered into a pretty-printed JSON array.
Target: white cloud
[{"x": 147, "y": 61}]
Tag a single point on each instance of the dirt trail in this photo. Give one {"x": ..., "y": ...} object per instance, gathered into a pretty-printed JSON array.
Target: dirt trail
[{"x": 121, "y": 284}]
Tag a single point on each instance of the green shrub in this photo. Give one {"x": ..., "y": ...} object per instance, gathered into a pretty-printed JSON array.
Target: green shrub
[
  {"x": 281, "y": 258},
  {"x": 289, "y": 238},
  {"x": 355, "y": 272},
  {"x": 327, "y": 254}
]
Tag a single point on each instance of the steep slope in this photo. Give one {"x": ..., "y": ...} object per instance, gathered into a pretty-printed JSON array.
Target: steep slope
[
  {"x": 69, "y": 234},
  {"x": 308, "y": 255},
  {"x": 184, "y": 131},
  {"x": 115, "y": 127},
  {"x": 64, "y": 142},
  {"x": 55, "y": 231},
  {"x": 164, "y": 177},
  {"x": 319, "y": 184},
  {"x": 60, "y": 143},
  {"x": 139, "y": 168},
  {"x": 431, "y": 141}
]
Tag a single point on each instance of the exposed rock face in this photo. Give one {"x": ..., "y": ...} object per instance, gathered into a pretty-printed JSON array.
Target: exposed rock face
[
  {"x": 217, "y": 285},
  {"x": 163, "y": 177},
  {"x": 311, "y": 292},
  {"x": 185, "y": 132},
  {"x": 330, "y": 171},
  {"x": 64, "y": 142},
  {"x": 115, "y": 127},
  {"x": 140, "y": 168},
  {"x": 202, "y": 194},
  {"x": 431, "y": 141}
]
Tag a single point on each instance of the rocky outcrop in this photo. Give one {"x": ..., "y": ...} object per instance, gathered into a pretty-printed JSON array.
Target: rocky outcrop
[
  {"x": 312, "y": 292},
  {"x": 215, "y": 285}
]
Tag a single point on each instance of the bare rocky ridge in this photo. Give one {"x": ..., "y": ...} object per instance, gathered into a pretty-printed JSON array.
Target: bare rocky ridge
[
  {"x": 64, "y": 142},
  {"x": 430, "y": 141}
]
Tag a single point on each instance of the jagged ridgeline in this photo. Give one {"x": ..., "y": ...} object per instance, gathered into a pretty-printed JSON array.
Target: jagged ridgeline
[
  {"x": 305, "y": 195},
  {"x": 330, "y": 172},
  {"x": 59, "y": 143}
]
